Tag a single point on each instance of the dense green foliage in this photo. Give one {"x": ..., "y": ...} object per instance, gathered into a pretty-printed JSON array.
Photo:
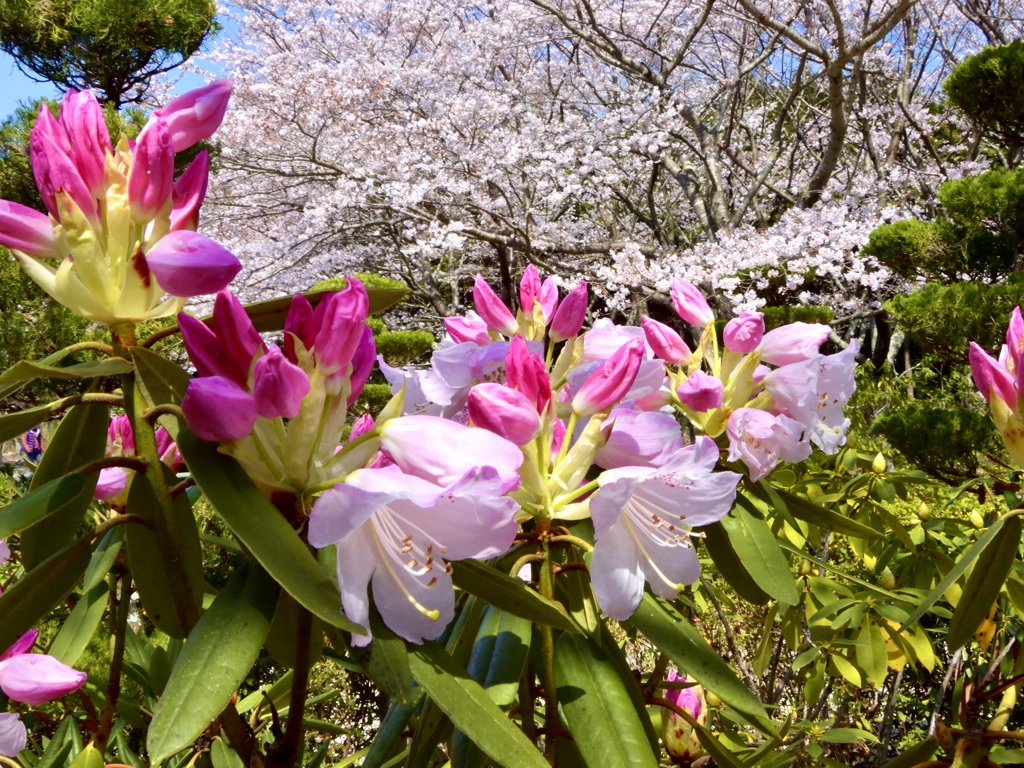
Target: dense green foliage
[
  {"x": 987, "y": 87},
  {"x": 113, "y": 46}
]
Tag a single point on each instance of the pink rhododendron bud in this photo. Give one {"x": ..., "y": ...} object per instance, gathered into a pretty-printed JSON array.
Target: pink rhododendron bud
[
  {"x": 13, "y": 734},
  {"x": 217, "y": 409},
  {"x": 526, "y": 373},
  {"x": 492, "y": 309},
  {"x": 680, "y": 739},
  {"x": 340, "y": 320},
  {"x": 27, "y": 230},
  {"x": 701, "y": 392},
  {"x": 690, "y": 303},
  {"x": 529, "y": 289},
  {"x": 611, "y": 381},
  {"x": 279, "y": 386},
  {"x": 665, "y": 342},
  {"x": 34, "y": 679},
  {"x": 188, "y": 193},
  {"x": 22, "y": 645},
  {"x": 120, "y": 437},
  {"x": 167, "y": 449},
  {"x": 470, "y": 328},
  {"x": 990, "y": 377},
  {"x": 186, "y": 263},
  {"x": 792, "y": 343},
  {"x": 230, "y": 351},
  {"x": 504, "y": 412},
  {"x": 761, "y": 439},
  {"x": 570, "y": 314},
  {"x": 548, "y": 298},
  {"x": 742, "y": 334},
  {"x": 5, "y": 552},
  {"x": 110, "y": 484},
  {"x": 196, "y": 115},
  {"x": 362, "y": 365},
  {"x": 442, "y": 451},
  {"x": 53, "y": 168},
  {"x": 557, "y": 436},
  {"x": 1014, "y": 336},
  {"x": 298, "y": 325},
  {"x": 81, "y": 116},
  {"x": 361, "y": 426},
  {"x": 152, "y": 175}
]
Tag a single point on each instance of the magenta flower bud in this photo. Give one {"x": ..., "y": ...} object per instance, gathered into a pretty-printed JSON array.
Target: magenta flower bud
[
  {"x": 504, "y": 412},
  {"x": 526, "y": 373},
  {"x": 570, "y": 314},
  {"x": 548, "y": 298},
  {"x": 53, "y": 168},
  {"x": 152, "y": 175},
  {"x": 188, "y": 193},
  {"x": 529, "y": 289},
  {"x": 340, "y": 320},
  {"x": 22, "y": 645},
  {"x": 278, "y": 385},
  {"x": 469, "y": 328},
  {"x": 742, "y": 334},
  {"x": 701, "y": 392},
  {"x": 298, "y": 325},
  {"x": 196, "y": 115},
  {"x": 792, "y": 343},
  {"x": 239, "y": 338},
  {"x": 167, "y": 449},
  {"x": 492, "y": 309},
  {"x": 120, "y": 437},
  {"x": 110, "y": 484},
  {"x": 27, "y": 230},
  {"x": 186, "y": 263},
  {"x": 81, "y": 116},
  {"x": 34, "y": 679},
  {"x": 361, "y": 426},
  {"x": 607, "y": 385},
  {"x": 992, "y": 378},
  {"x": 217, "y": 409},
  {"x": 362, "y": 365},
  {"x": 666, "y": 343},
  {"x": 1014, "y": 336},
  {"x": 690, "y": 303},
  {"x": 680, "y": 740}
]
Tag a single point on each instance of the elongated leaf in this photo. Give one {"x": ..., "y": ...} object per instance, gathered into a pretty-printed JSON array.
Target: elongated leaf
[
  {"x": 759, "y": 551},
  {"x": 262, "y": 528},
  {"x": 166, "y": 557},
  {"x": 20, "y": 374},
  {"x": 14, "y": 424},
  {"x": 280, "y": 642},
  {"x": 722, "y": 756},
  {"x": 510, "y": 594},
  {"x": 160, "y": 381},
  {"x": 218, "y": 655},
  {"x": 574, "y": 589},
  {"x": 692, "y": 654},
  {"x": 815, "y": 514},
  {"x": 471, "y": 709},
  {"x": 104, "y": 557},
  {"x": 954, "y": 573},
  {"x": 76, "y": 632},
  {"x": 32, "y": 596},
  {"x": 48, "y": 499},
  {"x": 983, "y": 586},
  {"x": 391, "y": 729},
  {"x": 730, "y": 565},
  {"x": 597, "y": 708},
  {"x": 80, "y": 438},
  {"x": 617, "y": 658},
  {"x": 386, "y": 661},
  {"x": 269, "y": 315},
  {"x": 871, "y": 653},
  {"x": 917, "y": 754}
]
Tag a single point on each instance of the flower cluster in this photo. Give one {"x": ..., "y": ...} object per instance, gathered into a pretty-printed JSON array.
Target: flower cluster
[
  {"x": 678, "y": 735},
  {"x": 1001, "y": 382},
  {"x": 29, "y": 678},
  {"x": 113, "y": 482},
  {"x": 119, "y": 244}
]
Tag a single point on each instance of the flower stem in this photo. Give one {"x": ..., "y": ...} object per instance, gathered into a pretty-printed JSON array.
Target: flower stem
[
  {"x": 119, "y": 621},
  {"x": 547, "y": 654}
]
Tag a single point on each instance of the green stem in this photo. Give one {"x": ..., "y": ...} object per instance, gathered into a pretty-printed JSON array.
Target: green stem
[
  {"x": 119, "y": 626},
  {"x": 288, "y": 754},
  {"x": 547, "y": 655}
]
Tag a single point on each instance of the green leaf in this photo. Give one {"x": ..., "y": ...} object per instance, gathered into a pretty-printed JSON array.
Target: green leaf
[
  {"x": 847, "y": 736},
  {"x": 223, "y": 756},
  {"x": 722, "y": 756},
  {"x": 280, "y": 642},
  {"x": 14, "y": 424},
  {"x": 847, "y": 670},
  {"x": 677, "y": 638},
  {"x": 391, "y": 729},
  {"x": 17, "y": 376},
  {"x": 76, "y": 632},
  {"x": 954, "y": 573},
  {"x": 471, "y": 709},
  {"x": 48, "y": 499},
  {"x": 160, "y": 381},
  {"x": 598, "y": 709},
  {"x": 510, "y": 594},
  {"x": 812, "y": 513},
  {"x": 262, "y": 529},
  {"x": 759, "y": 551},
  {"x": 983, "y": 586},
  {"x": 218, "y": 655},
  {"x": 871, "y": 653},
  {"x": 104, "y": 557},
  {"x": 35, "y": 593},
  {"x": 166, "y": 557},
  {"x": 80, "y": 438},
  {"x": 574, "y": 588},
  {"x": 386, "y": 661},
  {"x": 729, "y": 564}
]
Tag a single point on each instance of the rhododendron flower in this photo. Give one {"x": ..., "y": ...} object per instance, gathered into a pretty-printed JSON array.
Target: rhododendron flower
[
  {"x": 196, "y": 115},
  {"x": 690, "y": 304},
  {"x": 638, "y": 438},
  {"x": 679, "y": 736},
  {"x": 533, "y": 294},
  {"x": 792, "y": 343},
  {"x": 398, "y": 532},
  {"x": 498, "y": 317},
  {"x": 470, "y": 328},
  {"x": 742, "y": 334},
  {"x": 700, "y": 392},
  {"x": 761, "y": 439},
  {"x": 113, "y": 482},
  {"x": 112, "y": 212},
  {"x": 568, "y": 318},
  {"x": 34, "y": 678},
  {"x": 999, "y": 381},
  {"x": 642, "y": 516},
  {"x": 666, "y": 343},
  {"x": 611, "y": 381},
  {"x": 503, "y": 411},
  {"x": 13, "y": 735}
]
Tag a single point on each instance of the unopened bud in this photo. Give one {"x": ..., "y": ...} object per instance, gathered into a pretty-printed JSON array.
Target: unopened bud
[
  {"x": 976, "y": 519},
  {"x": 878, "y": 465},
  {"x": 924, "y": 512},
  {"x": 887, "y": 580}
]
